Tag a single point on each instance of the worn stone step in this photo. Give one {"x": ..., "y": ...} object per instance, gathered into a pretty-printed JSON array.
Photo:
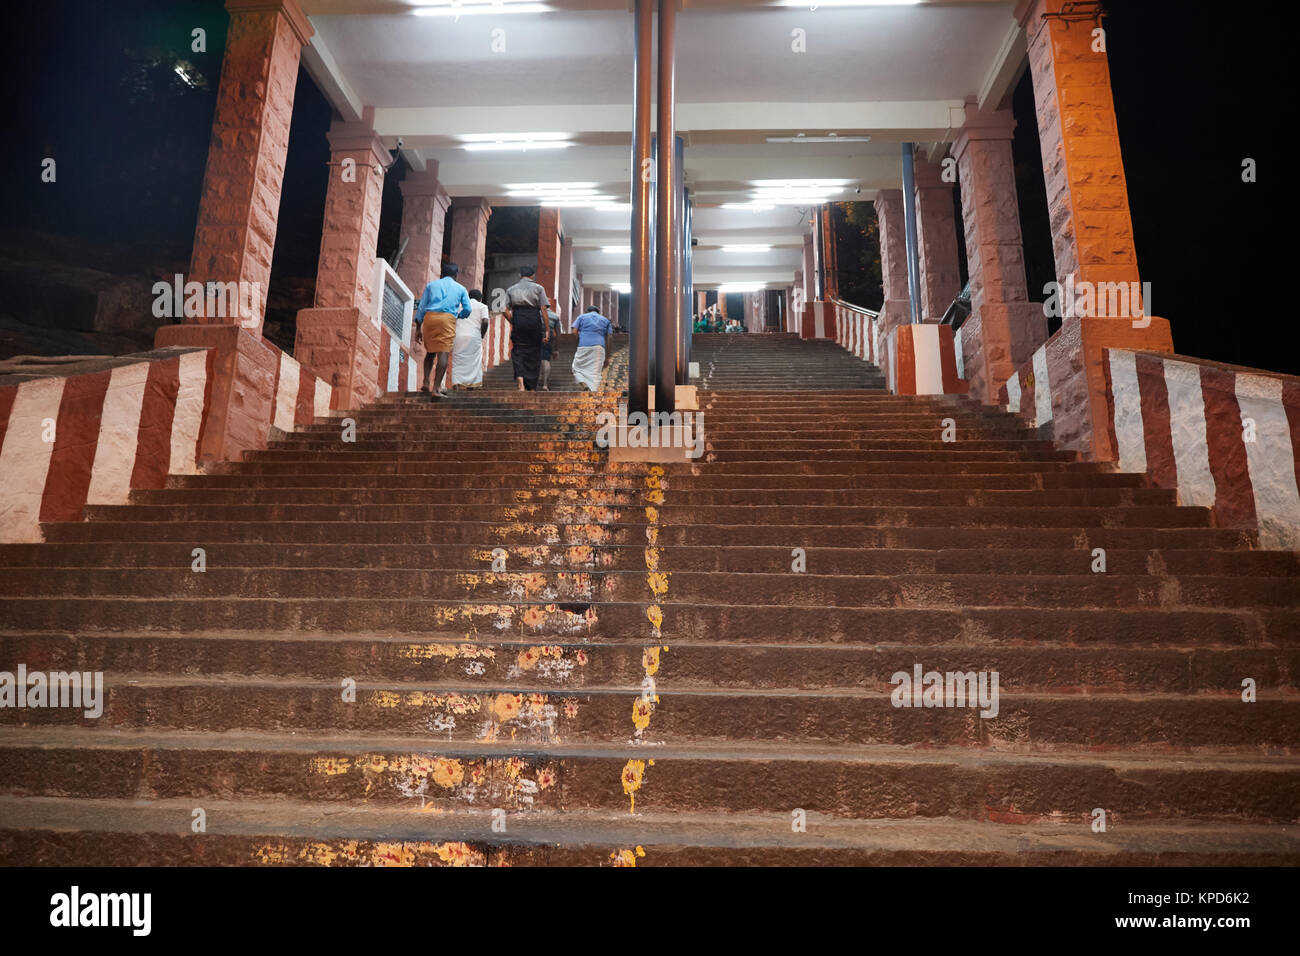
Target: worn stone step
[
  {"x": 1152, "y": 562},
  {"x": 1079, "y": 589},
  {"x": 521, "y": 537},
  {"x": 845, "y": 782},
  {"x": 1135, "y": 516},
  {"x": 623, "y": 481},
  {"x": 1135, "y": 722},
  {"x": 633, "y": 495},
  {"x": 545, "y": 623},
  {"x": 279, "y": 833},
  {"x": 1061, "y": 668}
]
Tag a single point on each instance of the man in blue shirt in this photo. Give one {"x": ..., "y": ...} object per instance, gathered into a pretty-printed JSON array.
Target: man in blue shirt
[
  {"x": 444, "y": 301},
  {"x": 589, "y": 358}
]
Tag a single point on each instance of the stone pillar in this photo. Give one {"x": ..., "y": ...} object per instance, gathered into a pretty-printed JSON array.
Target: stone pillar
[
  {"x": 797, "y": 304},
  {"x": 235, "y": 235},
  {"x": 1007, "y": 327},
  {"x": 1087, "y": 195},
  {"x": 613, "y": 306},
  {"x": 564, "y": 285},
  {"x": 424, "y": 219},
  {"x": 1092, "y": 231},
  {"x": 701, "y": 302},
  {"x": 469, "y": 219},
  {"x": 897, "y": 309},
  {"x": 345, "y": 277},
  {"x": 756, "y": 310},
  {"x": 809, "y": 269},
  {"x": 339, "y": 338},
  {"x": 936, "y": 233},
  {"x": 722, "y": 304},
  {"x": 548, "y": 251},
  {"x": 582, "y": 298}
]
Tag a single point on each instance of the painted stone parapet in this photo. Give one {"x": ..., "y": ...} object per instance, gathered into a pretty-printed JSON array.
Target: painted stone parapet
[
  {"x": 818, "y": 321},
  {"x": 342, "y": 345},
  {"x": 921, "y": 360},
  {"x": 1226, "y": 438},
  {"x": 915, "y": 359},
  {"x": 92, "y": 431},
  {"x": 855, "y": 330},
  {"x": 1064, "y": 381}
]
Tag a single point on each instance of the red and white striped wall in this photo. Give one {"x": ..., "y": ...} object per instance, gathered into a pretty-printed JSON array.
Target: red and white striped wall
[
  {"x": 853, "y": 329},
  {"x": 91, "y": 438},
  {"x": 921, "y": 360},
  {"x": 496, "y": 345},
  {"x": 1029, "y": 391},
  {"x": 819, "y": 321},
  {"x": 402, "y": 373},
  {"x": 1226, "y": 438},
  {"x": 300, "y": 397},
  {"x": 397, "y": 371}
]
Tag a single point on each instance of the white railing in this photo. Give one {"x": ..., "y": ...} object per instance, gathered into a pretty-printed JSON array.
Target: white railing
[
  {"x": 857, "y": 330},
  {"x": 394, "y": 305}
]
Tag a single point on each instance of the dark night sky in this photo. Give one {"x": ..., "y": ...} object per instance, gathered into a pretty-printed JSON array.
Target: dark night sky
[{"x": 1191, "y": 84}]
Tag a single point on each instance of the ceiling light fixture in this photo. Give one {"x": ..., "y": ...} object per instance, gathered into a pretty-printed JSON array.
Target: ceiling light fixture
[
  {"x": 455, "y": 8},
  {"x": 828, "y": 138}
]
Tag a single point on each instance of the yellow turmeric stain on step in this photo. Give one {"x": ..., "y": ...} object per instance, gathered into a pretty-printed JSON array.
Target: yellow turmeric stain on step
[{"x": 633, "y": 775}]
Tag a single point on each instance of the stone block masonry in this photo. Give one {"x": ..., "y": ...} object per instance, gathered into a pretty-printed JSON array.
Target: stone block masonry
[{"x": 235, "y": 235}]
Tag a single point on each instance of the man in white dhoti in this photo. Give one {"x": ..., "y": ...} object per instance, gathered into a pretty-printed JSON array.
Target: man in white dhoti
[
  {"x": 589, "y": 359},
  {"x": 467, "y": 351}
]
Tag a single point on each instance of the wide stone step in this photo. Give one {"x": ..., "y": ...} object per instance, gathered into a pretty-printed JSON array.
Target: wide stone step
[
  {"x": 577, "y": 620},
  {"x": 678, "y": 482},
  {"x": 1137, "y": 722},
  {"x": 568, "y": 665},
  {"x": 680, "y": 497},
  {"x": 957, "y": 516},
  {"x": 1079, "y": 589},
  {"x": 282, "y": 833},
  {"x": 517, "y": 536},
  {"x": 1151, "y": 562},
  {"x": 843, "y": 782}
]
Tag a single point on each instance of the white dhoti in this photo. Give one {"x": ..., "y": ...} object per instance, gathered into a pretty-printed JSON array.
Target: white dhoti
[
  {"x": 588, "y": 363},
  {"x": 467, "y": 354}
]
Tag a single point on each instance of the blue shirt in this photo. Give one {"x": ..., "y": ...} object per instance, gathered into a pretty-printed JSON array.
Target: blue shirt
[
  {"x": 592, "y": 327},
  {"x": 443, "y": 295}
]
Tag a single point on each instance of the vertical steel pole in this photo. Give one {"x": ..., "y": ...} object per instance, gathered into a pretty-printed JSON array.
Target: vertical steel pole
[
  {"x": 688, "y": 289},
  {"x": 638, "y": 372},
  {"x": 909, "y": 220},
  {"x": 819, "y": 258},
  {"x": 667, "y": 274}
]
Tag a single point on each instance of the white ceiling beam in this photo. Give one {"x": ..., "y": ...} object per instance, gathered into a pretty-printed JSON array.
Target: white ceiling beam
[
  {"x": 323, "y": 69},
  {"x": 1008, "y": 66},
  {"x": 901, "y": 120}
]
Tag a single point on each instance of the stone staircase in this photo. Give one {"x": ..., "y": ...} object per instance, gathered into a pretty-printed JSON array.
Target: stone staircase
[
  {"x": 687, "y": 664},
  {"x": 502, "y": 376},
  {"x": 778, "y": 361}
]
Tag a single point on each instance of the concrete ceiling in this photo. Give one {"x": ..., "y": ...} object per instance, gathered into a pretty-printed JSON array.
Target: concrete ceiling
[{"x": 895, "y": 73}]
